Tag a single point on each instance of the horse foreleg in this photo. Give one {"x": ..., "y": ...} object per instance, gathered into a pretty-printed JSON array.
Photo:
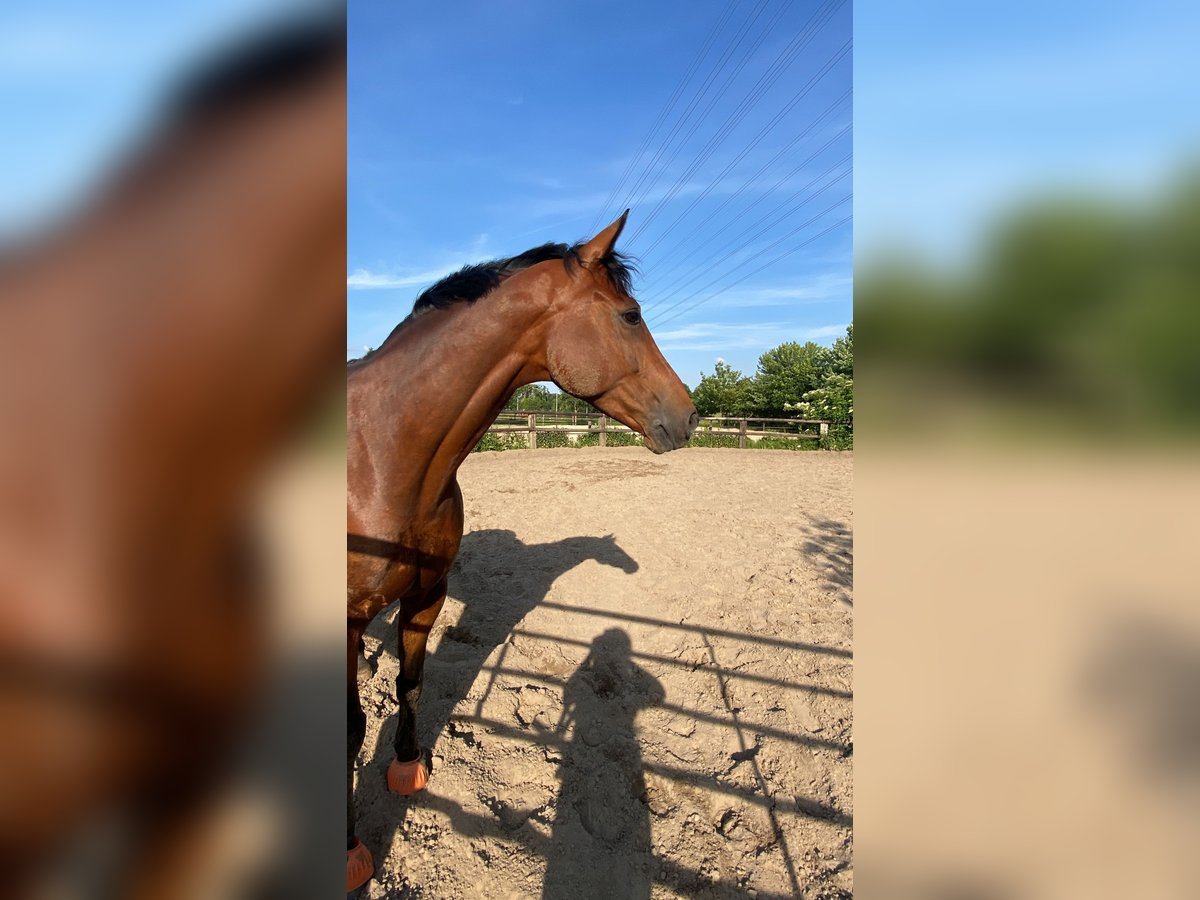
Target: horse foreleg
[
  {"x": 408, "y": 773},
  {"x": 359, "y": 866}
]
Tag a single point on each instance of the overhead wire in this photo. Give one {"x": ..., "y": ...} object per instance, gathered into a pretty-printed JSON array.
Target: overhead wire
[
  {"x": 787, "y": 253},
  {"x": 652, "y": 172},
  {"x": 763, "y": 132},
  {"x": 663, "y": 113},
  {"x": 740, "y": 248},
  {"x": 678, "y": 262},
  {"x": 767, "y": 80}
]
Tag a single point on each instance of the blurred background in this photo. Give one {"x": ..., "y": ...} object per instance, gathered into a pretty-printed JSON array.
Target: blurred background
[
  {"x": 172, "y": 302},
  {"x": 1027, "y": 632}
]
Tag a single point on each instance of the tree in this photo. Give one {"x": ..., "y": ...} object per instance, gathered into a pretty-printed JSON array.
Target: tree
[
  {"x": 726, "y": 392},
  {"x": 786, "y": 373},
  {"x": 841, "y": 354},
  {"x": 531, "y": 396},
  {"x": 831, "y": 401}
]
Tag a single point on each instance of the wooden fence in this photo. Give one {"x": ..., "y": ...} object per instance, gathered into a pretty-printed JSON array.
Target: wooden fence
[{"x": 531, "y": 423}]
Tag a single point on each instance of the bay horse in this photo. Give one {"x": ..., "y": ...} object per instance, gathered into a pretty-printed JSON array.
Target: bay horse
[
  {"x": 157, "y": 350},
  {"x": 418, "y": 405}
]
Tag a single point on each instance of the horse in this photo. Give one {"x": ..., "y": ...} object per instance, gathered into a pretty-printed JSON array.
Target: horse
[
  {"x": 158, "y": 348},
  {"x": 419, "y": 404}
]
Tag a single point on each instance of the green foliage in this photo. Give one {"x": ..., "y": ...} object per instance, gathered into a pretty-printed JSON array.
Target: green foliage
[
  {"x": 832, "y": 401},
  {"x": 1077, "y": 314},
  {"x": 840, "y": 437},
  {"x": 793, "y": 380},
  {"x": 704, "y": 439},
  {"x": 841, "y": 354},
  {"x": 531, "y": 396},
  {"x": 539, "y": 398},
  {"x": 500, "y": 442},
  {"x": 786, "y": 373},
  {"x": 549, "y": 439},
  {"x": 614, "y": 439},
  {"x": 623, "y": 439},
  {"x": 768, "y": 443},
  {"x": 724, "y": 393}
]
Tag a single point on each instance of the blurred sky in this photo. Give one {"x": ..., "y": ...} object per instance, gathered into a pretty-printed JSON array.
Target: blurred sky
[
  {"x": 84, "y": 81},
  {"x": 480, "y": 129},
  {"x": 964, "y": 110}
]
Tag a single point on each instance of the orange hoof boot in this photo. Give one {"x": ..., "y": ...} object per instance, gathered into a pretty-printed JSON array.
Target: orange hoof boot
[
  {"x": 359, "y": 868},
  {"x": 407, "y": 778}
]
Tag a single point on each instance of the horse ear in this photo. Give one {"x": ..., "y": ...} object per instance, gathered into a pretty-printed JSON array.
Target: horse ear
[{"x": 602, "y": 244}]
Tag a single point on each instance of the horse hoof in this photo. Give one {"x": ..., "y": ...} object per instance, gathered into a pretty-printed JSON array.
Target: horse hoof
[
  {"x": 359, "y": 868},
  {"x": 407, "y": 778}
]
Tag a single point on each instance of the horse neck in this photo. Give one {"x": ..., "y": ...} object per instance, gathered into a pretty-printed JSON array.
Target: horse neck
[{"x": 448, "y": 374}]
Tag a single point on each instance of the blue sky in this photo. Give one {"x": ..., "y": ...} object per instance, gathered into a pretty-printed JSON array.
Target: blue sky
[
  {"x": 80, "y": 82},
  {"x": 964, "y": 110},
  {"x": 480, "y": 129}
]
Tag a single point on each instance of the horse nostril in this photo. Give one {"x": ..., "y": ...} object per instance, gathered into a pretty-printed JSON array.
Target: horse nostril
[{"x": 693, "y": 421}]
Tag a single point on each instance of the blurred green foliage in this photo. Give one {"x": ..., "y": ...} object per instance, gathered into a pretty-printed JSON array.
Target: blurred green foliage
[{"x": 1080, "y": 314}]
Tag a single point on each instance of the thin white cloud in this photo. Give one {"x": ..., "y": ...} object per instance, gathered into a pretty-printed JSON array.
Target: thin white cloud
[
  {"x": 830, "y": 286},
  {"x": 363, "y": 279},
  {"x": 726, "y": 337}
]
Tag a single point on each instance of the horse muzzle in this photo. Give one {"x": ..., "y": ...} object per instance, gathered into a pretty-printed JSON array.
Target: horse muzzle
[{"x": 665, "y": 434}]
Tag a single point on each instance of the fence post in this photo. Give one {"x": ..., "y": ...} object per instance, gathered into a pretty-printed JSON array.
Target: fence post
[
  {"x": 603, "y": 430},
  {"x": 742, "y": 436},
  {"x": 824, "y": 429},
  {"x": 533, "y": 431}
]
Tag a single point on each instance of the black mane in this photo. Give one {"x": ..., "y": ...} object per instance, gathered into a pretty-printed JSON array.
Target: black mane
[
  {"x": 274, "y": 60},
  {"x": 470, "y": 283}
]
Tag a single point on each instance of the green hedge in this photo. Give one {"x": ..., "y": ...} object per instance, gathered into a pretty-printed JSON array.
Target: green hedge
[
  {"x": 553, "y": 439},
  {"x": 703, "y": 439},
  {"x": 840, "y": 437},
  {"x": 500, "y": 442},
  {"x": 615, "y": 439}
]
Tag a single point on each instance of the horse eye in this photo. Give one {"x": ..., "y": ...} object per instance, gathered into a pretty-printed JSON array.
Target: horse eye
[{"x": 633, "y": 316}]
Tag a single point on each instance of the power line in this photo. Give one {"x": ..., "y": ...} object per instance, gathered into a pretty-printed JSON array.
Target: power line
[
  {"x": 789, "y": 252},
  {"x": 651, "y": 168},
  {"x": 662, "y": 116},
  {"x": 767, "y": 80},
  {"x": 795, "y": 140},
  {"x": 751, "y": 258},
  {"x": 800, "y": 195},
  {"x": 660, "y": 276}
]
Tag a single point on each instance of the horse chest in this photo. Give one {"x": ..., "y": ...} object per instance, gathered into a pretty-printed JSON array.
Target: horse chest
[{"x": 380, "y": 572}]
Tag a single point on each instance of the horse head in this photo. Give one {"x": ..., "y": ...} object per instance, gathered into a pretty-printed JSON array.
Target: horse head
[{"x": 600, "y": 350}]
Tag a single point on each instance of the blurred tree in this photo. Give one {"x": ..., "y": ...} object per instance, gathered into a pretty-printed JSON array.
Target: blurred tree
[{"x": 1081, "y": 310}]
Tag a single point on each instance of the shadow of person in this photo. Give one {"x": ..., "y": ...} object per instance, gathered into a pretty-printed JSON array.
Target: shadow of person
[
  {"x": 600, "y": 844},
  {"x": 499, "y": 579}
]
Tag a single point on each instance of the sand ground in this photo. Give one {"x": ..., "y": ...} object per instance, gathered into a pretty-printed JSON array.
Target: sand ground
[{"x": 640, "y": 685}]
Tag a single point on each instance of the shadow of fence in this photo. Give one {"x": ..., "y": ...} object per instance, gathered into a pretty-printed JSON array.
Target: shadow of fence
[{"x": 500, "y": 580}]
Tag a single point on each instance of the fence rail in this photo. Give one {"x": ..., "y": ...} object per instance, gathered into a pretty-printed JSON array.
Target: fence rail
[{"x": 531, "y": 423}]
